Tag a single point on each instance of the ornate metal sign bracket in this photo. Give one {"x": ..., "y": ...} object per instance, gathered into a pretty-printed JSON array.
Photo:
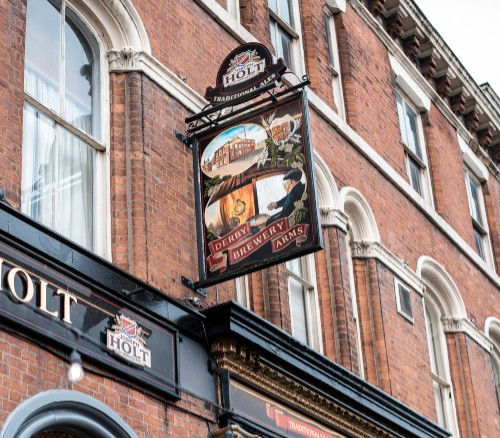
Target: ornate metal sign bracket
[{"x": 211, "y": 115}]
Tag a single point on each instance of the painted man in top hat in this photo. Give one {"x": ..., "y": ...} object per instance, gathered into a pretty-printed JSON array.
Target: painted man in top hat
[{"x": 294, "y": 188}]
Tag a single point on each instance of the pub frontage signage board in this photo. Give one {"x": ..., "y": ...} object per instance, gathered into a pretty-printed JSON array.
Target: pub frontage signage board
[
  {"x": 254, "y": 183},
  {"x": 46, "y": 304},
  {"x": 247, "y": 403}
]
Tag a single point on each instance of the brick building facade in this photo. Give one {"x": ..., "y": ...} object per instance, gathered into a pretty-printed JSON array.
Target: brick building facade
[{"x": 391, "y": 329}]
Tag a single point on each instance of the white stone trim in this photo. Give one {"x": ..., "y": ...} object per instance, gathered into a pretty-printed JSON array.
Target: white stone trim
[
  {"x": 118, "y": 22},
  {"x": 226, "y": 20},
  {"x": 361, "y": 218},
  {"x": 326, "y": 189},
  {"x": 413, "y": 90},
  {"x": 492, "y": 331},
  {"x": 479, "y": 170},
  {"x": 127, "y": 60},
  {"x": 364, "y": 249},
  {"x": 456, "y": 324},
  {"x": 332, "y": 217},
  {"x": 441, "y": 287}
]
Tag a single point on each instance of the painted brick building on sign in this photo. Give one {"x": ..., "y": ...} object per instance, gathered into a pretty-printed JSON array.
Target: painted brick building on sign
[{"x": 391, "y": 328}]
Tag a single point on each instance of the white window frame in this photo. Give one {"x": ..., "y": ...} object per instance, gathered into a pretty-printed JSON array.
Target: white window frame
[
  {"x": 334, "y": 62},
  {"x": 397, "y": 285},
  {"x": 441, "y": 378},
  {"x": 233, "y": 8},
  {"x": 354, "y": 302},
  {"x": 242, "y": 291},
  {"x": 495, "y": 363},
  {"x": 480, "y": 226},
  {"x": 410, "y": 155},
  {"x": 101, "y": 245},
  {"x": 311, "y": 304},
  {"x": 294, "y": 31}
]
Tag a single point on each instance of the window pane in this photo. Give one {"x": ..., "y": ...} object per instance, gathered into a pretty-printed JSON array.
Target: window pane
[
  {"x": 295, "y": 266},
  {"x": 273, "y": 36},
  {"x": 75, "y": 189},
  {"x": 433, "y": 339},
  {"x": 78, "y": 79},
  {"x": 298, "y": 310},
  {"x": 412, "y": 134},
  {"x": 415, "y": 174},
  {"x": 284, "y": 11},
  {"x": 39, "y": 169},
  {"x": 478, "y": 238},
  {"x": 286, "y": 47},
  {"x": 331, "y": 57},
  {"x": 474, "y": 200},
  {"x": 273, "y": 5},
  {"x": 43, "y": 45},
  {"x": 401, "y": 118},
  {"x": 440, "y": 404}
]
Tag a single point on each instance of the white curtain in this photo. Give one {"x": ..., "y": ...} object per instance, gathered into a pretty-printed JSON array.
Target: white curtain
[{"x": 57, "y": 166}]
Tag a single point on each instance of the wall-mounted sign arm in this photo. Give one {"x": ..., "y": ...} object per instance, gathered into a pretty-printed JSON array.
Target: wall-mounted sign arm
[{"x": 193, "y": 286}]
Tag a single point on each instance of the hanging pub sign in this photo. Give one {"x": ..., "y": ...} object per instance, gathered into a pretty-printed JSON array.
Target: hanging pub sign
[
  {"x": 247, "y": 70},
  {"x": 256, "y": 202}
]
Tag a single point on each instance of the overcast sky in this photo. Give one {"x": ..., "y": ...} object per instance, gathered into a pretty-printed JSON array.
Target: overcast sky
[{"x": 471, "y": 29}]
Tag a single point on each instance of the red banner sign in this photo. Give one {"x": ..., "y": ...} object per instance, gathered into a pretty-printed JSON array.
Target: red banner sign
[{"x": 241, "y": 243}]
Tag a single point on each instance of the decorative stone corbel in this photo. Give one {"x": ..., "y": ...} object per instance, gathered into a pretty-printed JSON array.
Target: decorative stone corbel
[
  {"x": 443, "y": 85},
  {"x": 331, "y": 217},
  {"x": 393, "y": 25},
  {"x": 457, "y": 324},
  {"x": 471, "y": 121},
  {"x": 457, "y": 103},
  {"x": 484, "y": 136},
  {"x": 360, "y": 248},
  {"x": 124, "y": 59}
]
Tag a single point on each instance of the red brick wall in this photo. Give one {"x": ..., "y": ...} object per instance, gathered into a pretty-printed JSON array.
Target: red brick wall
[
  {"x": 152, "y": 210},
  {"x": 12, "y": 23},
  {"x": 26, "y": 370}
]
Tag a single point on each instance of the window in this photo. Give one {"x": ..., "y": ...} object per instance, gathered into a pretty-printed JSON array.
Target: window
[
  {"x": 285, "y": 31},
  {"x": 354, "y": 300},
  {"x": 478, "y": 215},
  {"x": 495, "y": 359},
  {"x": 61, "y": 133},
  {"x": 492, "y": 331},
  {"x": 333, "y": 57},
  {"x": 412, "y": 137},
  {"x": 403, "y": 300},
  {"x": 439, "y": 368},
  {"x": 241, "y": 285},
  {"x": 304, "y": 312},
  {"x": 233, "y": 7}
]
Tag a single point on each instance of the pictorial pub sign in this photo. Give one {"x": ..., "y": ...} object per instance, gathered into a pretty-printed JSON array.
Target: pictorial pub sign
[{"x": 256, "y": 201}]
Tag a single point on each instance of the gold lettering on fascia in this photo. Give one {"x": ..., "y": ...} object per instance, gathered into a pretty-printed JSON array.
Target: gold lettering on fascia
[{"x": 24, "y": 287}]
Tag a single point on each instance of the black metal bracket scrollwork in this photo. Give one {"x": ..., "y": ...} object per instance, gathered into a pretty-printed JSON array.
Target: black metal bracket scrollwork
[{"x": 212, "y": 115}]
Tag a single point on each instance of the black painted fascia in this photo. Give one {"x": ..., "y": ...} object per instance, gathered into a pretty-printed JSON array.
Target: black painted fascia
[
  {"x": 315, "y": 371},
  {"x": 67, "y": 257}
]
